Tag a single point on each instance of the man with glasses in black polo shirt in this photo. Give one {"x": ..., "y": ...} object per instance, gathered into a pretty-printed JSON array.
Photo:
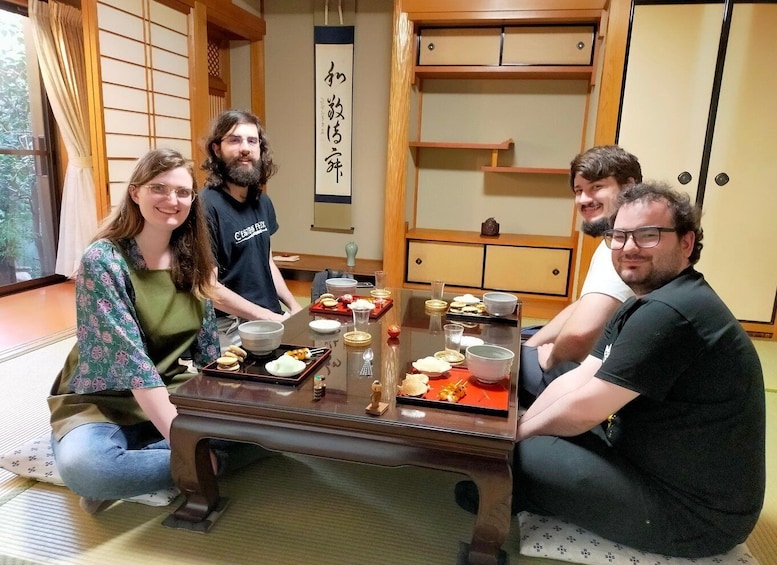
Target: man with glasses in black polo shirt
[{"x": 657, "y": 440}]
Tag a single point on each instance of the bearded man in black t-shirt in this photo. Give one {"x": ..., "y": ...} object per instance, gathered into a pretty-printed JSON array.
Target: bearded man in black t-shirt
[
  {"x": 657, "y": 440},
  {"x": 241, "y": 219}
]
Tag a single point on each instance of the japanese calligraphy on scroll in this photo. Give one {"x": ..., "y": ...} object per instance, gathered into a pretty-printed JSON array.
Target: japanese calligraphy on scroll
[{"x": 334, "y": 122}]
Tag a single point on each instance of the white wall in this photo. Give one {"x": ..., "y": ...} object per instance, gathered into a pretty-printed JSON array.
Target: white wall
[{"x": 290, "y": 122}]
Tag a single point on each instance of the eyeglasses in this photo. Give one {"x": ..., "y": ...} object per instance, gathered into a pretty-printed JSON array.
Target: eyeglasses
[
  {"x": 644, "y": 238},
  {"x": 181, "y": 192},
  {"x": 238, "y": 140}
]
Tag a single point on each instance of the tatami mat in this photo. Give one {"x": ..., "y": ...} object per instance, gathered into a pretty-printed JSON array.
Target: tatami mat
[{"x": 287, "y": 509}]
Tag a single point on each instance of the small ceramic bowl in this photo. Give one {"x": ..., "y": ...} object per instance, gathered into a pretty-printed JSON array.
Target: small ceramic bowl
[
  {"x": 260, "y": 337},
  {"x": 341, "y": 286},
  {"x": 500, "y": 303},
  {"x": 489, "y": 363}
]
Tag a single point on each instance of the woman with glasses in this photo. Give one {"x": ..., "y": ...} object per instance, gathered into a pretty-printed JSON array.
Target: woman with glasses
[{"x": 142, "y": 303}]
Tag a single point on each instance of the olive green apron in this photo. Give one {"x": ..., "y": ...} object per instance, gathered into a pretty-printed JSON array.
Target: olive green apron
[{"x": 169, "y": 320}]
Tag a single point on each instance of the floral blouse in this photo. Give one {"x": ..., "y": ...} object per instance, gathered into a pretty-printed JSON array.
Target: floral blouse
[{"x": 113, "y": 344}]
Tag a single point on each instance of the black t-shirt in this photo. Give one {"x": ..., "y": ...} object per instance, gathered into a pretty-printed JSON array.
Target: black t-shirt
[
  {"x": 698, "y": 427},
  {"x": 240, "y": 232}
]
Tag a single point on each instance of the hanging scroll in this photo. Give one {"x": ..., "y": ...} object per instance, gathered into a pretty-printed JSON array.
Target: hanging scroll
[{"x": 334, "y": 122}]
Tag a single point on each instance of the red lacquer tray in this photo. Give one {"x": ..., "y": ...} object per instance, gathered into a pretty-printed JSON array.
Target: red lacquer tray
[
  {"x": 252, "y": 369},
  {"x": 343, "y": 310},
  {"x": 480, "y": 398}
]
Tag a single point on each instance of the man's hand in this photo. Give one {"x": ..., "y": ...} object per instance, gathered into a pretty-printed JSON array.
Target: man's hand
[{"x": 543, "y": 354}]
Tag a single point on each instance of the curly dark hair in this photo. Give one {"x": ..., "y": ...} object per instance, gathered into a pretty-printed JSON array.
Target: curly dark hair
[
  {"x": 222, "y": 125},
  {"x": 605, "y": 161},
  {"x": 685, "y": 216}
]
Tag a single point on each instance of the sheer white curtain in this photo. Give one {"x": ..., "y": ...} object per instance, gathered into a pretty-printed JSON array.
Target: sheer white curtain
[{"x": 59, "y": 42}]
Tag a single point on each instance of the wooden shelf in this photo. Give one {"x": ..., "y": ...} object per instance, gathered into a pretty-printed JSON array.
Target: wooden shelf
[
  {"x": 495, "y": 148},
  {"x": 456, "y": 145},
  {"x": 512, "y": 239},
  {"x": 577, "y": 72},
  {"x": 525, "y": 170}
]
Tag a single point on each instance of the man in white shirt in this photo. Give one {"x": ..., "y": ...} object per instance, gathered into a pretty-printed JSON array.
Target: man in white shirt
[{"x": 596, "y": 176}]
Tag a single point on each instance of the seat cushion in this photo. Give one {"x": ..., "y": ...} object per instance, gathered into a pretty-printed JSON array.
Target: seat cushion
[
  {"x": 35, "y": 460},
  {"x": 545, "y": 536}
]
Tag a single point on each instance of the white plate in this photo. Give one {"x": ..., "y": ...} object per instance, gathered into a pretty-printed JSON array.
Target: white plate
[
  {"x": 467, "y": 299},
  {"x": 293, "y": 369},
  {"x": 467, "y": 340},
  {"x": 362, "y": 303},
  {"x": 431, "y": 367},
  {"x": 324, "y": 326}
]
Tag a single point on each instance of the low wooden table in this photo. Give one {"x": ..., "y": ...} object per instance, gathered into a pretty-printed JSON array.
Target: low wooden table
[{"x": 288, "y": 419}]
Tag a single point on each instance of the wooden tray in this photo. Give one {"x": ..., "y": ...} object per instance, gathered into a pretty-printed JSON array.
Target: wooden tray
[
  {"x": 252, "y": 369},
  {"x": 484, "y": 317},
  {"x": 481, "y": 398},
  {"x": 343, "y": 310}
]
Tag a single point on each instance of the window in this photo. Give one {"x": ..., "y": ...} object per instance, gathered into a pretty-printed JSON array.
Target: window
[{"x": 29, "y": 199}]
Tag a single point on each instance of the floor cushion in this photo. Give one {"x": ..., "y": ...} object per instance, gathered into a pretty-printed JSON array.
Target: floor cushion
[
  {"x": 35, "y": 460},
  {"x": 544, "y": 536}
]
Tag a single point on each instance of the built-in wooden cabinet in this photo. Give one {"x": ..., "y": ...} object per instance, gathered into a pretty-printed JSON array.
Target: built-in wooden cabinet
[
  {"x": 497, "y": 106},
  {"x": 522, "y": 264},
  {"x": 536, "y": 270}
]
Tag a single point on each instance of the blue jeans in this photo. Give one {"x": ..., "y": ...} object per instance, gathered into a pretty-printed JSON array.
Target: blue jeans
[{"x": 108, "y": 462}]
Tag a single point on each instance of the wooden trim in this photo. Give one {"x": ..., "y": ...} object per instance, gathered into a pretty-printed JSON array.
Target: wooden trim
[
  {"x": 513, "y": 240},
  {"x": 462, "y": 145},
  {"x": 611, "y": 83},
  {"x": 233, "y": 21},
  {"x": 198, "y": 84},
  {"x": 506, "y": 72},
  {"x": 610, "y": 87},
  {"x": 258, "y": 84},
  {"x": 525, "y": 170},
  {"x": 95, "y": 103},
  {"x": 402, "y": 52}
]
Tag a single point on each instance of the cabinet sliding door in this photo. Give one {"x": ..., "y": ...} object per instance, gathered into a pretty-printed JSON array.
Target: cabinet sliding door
[
  {"x": 668, "y": 86},
  {"x": 740, "y": 209}
]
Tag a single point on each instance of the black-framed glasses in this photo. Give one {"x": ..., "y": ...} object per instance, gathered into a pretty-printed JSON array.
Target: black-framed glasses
[
  {"x": 181, "y": 192},
  {"x": 644, "y": 238}
]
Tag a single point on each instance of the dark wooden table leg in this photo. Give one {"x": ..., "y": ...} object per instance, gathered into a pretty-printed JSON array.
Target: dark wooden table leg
[
  {"x": 492, "y": 525},
  {"x": 192, "y": 470}
]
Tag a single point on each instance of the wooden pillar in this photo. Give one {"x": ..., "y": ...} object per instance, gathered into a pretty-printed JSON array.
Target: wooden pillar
[{"x": 396, "y": 159}]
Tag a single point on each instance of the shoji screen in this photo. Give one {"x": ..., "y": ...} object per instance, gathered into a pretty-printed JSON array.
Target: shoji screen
[{"x": 144, "y": 63}]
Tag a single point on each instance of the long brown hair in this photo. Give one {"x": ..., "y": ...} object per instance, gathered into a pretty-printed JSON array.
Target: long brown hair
[{"x": 192, "y": 256}]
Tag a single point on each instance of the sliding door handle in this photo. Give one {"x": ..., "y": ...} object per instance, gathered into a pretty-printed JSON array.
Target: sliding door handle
[
  {"x": 684, "y": 177},
  {"x": 721, "y": 179}
]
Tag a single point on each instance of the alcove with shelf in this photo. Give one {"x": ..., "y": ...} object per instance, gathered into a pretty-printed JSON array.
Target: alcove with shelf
[{"x": 459, "y": 174}]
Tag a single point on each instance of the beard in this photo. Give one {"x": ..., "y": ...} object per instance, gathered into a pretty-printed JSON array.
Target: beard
[
  {"x": 651, "y": 276},
  {"x": 596, "y": 228},
  {"x": 235, "y": 173}
]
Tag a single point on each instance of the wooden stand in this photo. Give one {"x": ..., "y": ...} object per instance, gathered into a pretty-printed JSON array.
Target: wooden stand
[{"x": 377, "y": 411}]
